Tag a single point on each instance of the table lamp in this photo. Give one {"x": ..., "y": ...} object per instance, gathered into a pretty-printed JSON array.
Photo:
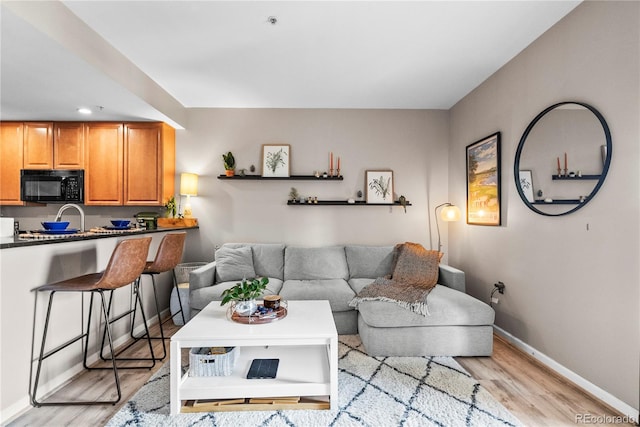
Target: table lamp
[{"x": 188, "y": 187}]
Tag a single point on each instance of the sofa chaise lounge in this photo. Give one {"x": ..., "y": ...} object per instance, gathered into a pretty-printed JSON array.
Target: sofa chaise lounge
[{"x": 457, "y": 324}]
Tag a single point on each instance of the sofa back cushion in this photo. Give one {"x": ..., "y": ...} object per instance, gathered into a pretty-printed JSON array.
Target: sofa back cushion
[
  {"x": 268, "y": 258},
  {"x": 369, "y": 261},
  {"x": 327, "y": 262},
  {"x": 234, "y": 264}
]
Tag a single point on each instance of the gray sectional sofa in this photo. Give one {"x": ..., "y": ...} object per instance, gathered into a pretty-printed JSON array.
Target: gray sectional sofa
[{"x": 457, "y": 323}]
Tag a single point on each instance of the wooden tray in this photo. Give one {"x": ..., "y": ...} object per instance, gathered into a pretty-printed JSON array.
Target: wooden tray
[{"x": 257, "y": 320}]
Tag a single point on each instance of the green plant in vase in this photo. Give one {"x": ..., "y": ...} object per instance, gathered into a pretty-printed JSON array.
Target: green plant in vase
[
  {"x": 170, "y": 207},
  {"x": 229, "y": 163},
  {"x": 245, "y": 294}
]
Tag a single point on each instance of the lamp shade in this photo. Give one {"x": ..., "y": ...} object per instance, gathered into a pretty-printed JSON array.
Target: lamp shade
[
  {"x": 450, "y": 213},
  {"x": 188, "y": 184}
]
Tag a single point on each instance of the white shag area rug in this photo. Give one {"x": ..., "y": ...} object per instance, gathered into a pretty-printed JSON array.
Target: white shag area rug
[{"x": 380, "y": 391}]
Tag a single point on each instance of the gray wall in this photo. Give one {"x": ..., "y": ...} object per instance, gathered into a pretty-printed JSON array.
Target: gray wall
[
  {"x": 413, "y": 143},
  {"x": 572, "y": 294}
]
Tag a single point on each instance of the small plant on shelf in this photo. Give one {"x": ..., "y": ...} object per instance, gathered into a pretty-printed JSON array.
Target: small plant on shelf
[
  {"x": 229, "y": 163},
  {"x": 293, "y": 194}
]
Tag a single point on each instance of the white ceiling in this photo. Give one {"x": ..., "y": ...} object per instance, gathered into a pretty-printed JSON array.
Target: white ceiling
[{"x": 322, "y": 54}]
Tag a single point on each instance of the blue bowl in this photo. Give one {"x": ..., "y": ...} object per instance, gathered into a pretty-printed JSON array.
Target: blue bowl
[
  {"x": 120, "y": 222},
  {"x": 55, "y": 225}
]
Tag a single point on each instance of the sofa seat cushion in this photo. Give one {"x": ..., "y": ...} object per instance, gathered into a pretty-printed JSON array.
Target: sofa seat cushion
[
  {"x": 337, "y": 291},
  {"x": 446, "y": 307},
  {"x": 302, "y": 263},
  {"x": 358, "y": 283},
  {"x": 201, "y": 297}
]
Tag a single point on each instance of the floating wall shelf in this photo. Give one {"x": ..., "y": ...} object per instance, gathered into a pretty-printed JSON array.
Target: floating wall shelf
[
  {"x": 282, "y": 178},
  {"x": 344, "y": 203},
  {"x": 574, "y": 178},
  {"x": 559, "y": 202}
]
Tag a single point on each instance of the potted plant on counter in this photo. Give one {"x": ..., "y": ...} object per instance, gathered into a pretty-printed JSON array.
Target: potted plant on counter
[
  {"x": 244, "y": 295},
  {"x": 170, "y": 207},
  {"x": 229, "y": 164}
]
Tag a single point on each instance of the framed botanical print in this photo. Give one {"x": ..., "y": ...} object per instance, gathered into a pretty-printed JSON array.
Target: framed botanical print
[
  {"x": 379, "y": 186},
  {"x": 276, "y": 160},
  {"x": 483, "y": 181}
]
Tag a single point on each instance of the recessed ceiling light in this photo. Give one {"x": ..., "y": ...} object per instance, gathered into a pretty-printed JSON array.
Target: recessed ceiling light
[
  {"x": 84, "y": 111},
  {"x": 273, "y": 20}
]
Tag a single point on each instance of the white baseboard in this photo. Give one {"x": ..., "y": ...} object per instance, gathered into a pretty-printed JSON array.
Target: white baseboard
[
  {"x": 586, "y": 385},
  {"x": 23, "y": 405}
]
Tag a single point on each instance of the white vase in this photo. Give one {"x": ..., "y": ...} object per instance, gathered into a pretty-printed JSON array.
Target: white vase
[{"x": 246, "y": 308}]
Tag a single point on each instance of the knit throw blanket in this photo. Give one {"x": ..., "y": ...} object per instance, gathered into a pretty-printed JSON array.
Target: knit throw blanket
[{"x": 414, "y": 275}]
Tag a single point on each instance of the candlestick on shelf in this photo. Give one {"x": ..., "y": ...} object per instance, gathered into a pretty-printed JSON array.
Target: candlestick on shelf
[
  {"x": 338, "y": 166},
  {"x": 559, "y": 170},
  {"x": 331, "y": 160},
  {"x": 566, "y": 168}
]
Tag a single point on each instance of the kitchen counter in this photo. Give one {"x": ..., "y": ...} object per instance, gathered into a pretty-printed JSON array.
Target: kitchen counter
[
  {"x": 43, "y": 239},
  {"x": 27, "y": 264}
]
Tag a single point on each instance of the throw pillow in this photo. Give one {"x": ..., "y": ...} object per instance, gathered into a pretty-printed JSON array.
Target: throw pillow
[
  {"x": 234, "y": 264},
  {"x": 416, "y": 265}
]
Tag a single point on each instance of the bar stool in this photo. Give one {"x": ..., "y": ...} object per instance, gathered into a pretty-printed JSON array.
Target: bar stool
[
  {"x": 167, "y": 258},
  {"x": 125, "y": 266}
]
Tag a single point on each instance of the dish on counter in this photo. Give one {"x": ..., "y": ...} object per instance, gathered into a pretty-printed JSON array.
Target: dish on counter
[
  {"x": 55, "y": 225},
  {"x": 114, "y": 227},
  {"x": 120, "y": 223}
]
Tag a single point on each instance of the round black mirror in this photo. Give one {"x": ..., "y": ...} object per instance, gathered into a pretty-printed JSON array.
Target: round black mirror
[{"x": 565, "y": 159}]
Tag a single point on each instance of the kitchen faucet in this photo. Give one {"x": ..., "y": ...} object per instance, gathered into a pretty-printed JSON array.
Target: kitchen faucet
[{"x": 72, "y": 205}]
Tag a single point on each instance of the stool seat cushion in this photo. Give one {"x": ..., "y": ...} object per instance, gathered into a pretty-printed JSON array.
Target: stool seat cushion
[{"x": 87, "y": 282}]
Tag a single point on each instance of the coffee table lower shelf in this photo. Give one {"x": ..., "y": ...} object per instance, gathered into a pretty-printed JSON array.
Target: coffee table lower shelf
[
  {"x": 262, "y": 404},
  {"x": 303, "y": 372}
]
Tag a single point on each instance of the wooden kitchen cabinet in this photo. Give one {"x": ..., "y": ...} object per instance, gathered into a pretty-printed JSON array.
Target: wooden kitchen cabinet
[
  {"x": 124, "y": 164},
  {"x": 68, "y": 145},
  {"x": 12, "y": 149},
  {"x": 103, "y": 161},
  {"x": 149, "y": 163},
  {"x": 38, "y": 145}
]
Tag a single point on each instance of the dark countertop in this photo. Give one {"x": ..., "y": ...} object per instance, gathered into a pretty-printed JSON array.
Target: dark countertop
[{"x": 16, "y": 241}]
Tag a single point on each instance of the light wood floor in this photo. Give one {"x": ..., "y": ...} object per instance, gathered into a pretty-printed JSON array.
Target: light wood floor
[
  {"x": 535, "y": 395},
  {"x": 531, "y": 391}
]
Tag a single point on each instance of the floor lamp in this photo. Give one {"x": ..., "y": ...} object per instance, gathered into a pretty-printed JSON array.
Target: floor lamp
[{"x": 450, "y": 212}]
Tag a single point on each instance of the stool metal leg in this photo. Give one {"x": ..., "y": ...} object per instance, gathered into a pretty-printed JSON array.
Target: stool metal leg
[
  {"x": 161, "y": 322},
  {"x": 43, "y": 356},
  {"x": 137, "y": 301},
  {"x": 175, "y": 285}
]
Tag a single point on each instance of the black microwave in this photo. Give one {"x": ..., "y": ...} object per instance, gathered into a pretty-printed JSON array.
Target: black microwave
[{"x": 52, "y": 186}]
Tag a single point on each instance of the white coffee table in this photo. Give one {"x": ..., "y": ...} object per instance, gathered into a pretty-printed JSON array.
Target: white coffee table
[{"x": 305, "y": 341}]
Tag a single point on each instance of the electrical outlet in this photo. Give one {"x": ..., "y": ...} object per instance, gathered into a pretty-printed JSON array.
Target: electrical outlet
[{"x": 500, "y": 286}]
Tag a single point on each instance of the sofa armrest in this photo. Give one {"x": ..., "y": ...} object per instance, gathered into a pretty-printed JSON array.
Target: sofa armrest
[
  {"x": 203, "y": 276},
  {"x": 452, "y": 278}
]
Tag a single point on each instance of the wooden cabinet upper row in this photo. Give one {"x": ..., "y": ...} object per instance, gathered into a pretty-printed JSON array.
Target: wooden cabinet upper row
[{"x": 125, "y": 164}]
